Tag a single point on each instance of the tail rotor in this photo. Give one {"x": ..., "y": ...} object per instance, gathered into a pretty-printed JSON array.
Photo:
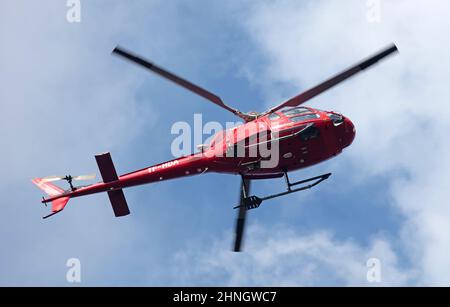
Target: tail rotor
[{"x": 69, "y": 179}]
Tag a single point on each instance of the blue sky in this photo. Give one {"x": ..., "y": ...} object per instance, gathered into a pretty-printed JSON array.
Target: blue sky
[{"x": 64, "y": 98}]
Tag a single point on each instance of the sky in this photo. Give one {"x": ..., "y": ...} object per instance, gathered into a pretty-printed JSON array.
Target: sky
[{"x": 64, "y": 98}]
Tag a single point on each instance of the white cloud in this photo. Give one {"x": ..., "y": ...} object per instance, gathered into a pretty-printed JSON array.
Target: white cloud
[
  {"x": 281, "y": 257},
  {"x": 399, "y": 107},
  {"x": 58, "y": 83},
  {"x": 401, "y": 113},
  {"x": 63, "y": 98}
]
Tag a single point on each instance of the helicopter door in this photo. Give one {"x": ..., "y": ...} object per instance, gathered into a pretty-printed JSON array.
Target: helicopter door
[{"x": 254, "y": 147}]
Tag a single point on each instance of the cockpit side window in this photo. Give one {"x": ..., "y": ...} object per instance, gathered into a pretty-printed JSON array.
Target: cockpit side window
[
  {"x": 337, "y": 119},
  {"x": 309, "y": 133},
  {"x": 274, "y": 116}
]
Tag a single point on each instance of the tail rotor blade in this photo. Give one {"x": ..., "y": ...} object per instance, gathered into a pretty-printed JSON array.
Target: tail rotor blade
[
  {"x": 51, "y": 178},
  {"x": 240, "y": 222},
  {"x": 57, "y": 178},
  {"x": 84, "y": 177}
]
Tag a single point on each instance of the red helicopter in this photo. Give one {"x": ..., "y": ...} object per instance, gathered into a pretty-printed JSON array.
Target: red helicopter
[{"x": 294, "y": 136}]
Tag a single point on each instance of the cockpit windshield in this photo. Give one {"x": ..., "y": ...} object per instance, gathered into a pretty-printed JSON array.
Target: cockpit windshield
[
  {"x": 296, "y": 111},
  {"x": 304, "y": 117}
]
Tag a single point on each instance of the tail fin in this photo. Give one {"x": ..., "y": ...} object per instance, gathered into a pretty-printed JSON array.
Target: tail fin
[
  {"x": 108, "y": 171},
  {"x": 52, "y": 190}
]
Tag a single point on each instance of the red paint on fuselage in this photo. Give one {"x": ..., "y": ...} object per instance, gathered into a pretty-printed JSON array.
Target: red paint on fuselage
[{"x": 294, "y": 152}]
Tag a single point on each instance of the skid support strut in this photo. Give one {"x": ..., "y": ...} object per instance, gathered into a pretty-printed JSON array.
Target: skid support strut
[{"x": 253, "y": 202}]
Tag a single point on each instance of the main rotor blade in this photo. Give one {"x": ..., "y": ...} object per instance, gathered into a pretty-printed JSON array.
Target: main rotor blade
[
  {"x": 240, "y": 222},
  {"x": 178, "y": 80},
  {"x": 324, "y": 86}
]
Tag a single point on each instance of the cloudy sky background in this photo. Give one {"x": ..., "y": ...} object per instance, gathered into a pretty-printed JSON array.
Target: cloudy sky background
[{"x": 64, "y": 98}]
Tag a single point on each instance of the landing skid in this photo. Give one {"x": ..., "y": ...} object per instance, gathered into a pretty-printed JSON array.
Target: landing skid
[{"x": 253, "y": 202}]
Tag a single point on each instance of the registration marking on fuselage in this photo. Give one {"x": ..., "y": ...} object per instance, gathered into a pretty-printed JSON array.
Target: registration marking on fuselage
[{"x": 163, "y": 166}]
